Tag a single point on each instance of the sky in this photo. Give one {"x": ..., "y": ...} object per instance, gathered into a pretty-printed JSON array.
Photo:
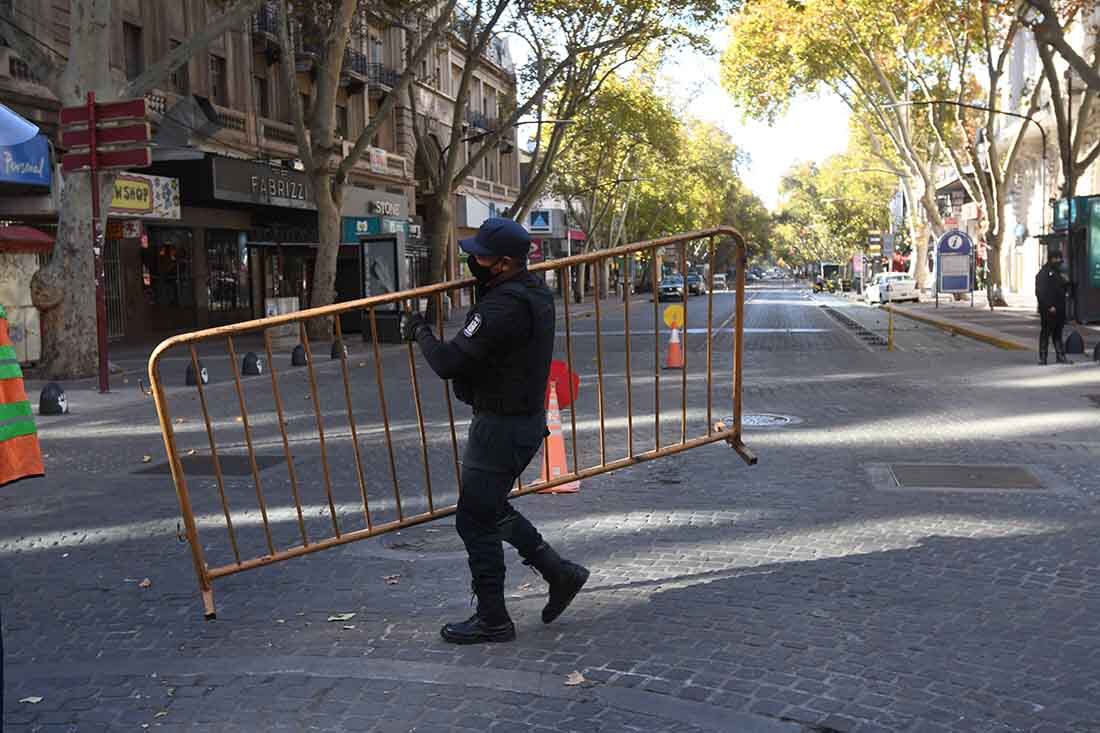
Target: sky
[
  {"x": 811, "y": 130},
  {"x": 814, "y": 127}
]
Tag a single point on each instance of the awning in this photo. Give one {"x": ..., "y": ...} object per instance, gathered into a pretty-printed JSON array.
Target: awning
[{"x": 20, "y": 239}]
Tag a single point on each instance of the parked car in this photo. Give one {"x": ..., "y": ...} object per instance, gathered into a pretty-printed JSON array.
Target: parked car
[
  {"x": 672, "y": 288},
  {"x": 696, "y": 284},
  {"x": 888, "y": 287},
  {"x": 720, "y": 282}
]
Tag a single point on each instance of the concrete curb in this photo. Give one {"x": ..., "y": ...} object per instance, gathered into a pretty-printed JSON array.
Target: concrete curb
[{"x": 977, "y": 333}]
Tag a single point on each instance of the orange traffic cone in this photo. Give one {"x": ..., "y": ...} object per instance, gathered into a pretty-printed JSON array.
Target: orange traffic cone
[
  {"x": 553, "y": 457},
  {"x": 675, "y": 358}
]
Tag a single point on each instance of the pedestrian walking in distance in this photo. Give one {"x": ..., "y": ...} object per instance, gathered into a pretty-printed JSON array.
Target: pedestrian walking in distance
[
  {"x": 499, "y": 364},
  {"x": 1050, "y": 291}
]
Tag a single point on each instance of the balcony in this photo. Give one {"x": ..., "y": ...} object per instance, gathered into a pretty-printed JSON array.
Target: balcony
[
  {"x": 480, "y": 121},
  {"x": 279, "y": 133},
  {"x": 382, "y": 77},
  {"x": 265, "y": 23},
  {"x": 231, "y": 119},
  {"x": 354, "y": 73}
]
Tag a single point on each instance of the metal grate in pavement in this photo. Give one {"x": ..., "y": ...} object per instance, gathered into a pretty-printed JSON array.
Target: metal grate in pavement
[
  {"x": 231, "y": 465},
  {"x": 950, "y": 476}
]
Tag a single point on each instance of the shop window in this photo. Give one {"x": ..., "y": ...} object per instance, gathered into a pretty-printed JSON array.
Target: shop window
[
  {"x": 133, "y": 50},
  {"x": 219, "y": 81},
  {"x": 227, "y": 262},
  {"x": 166, "y": 267},
  {"x": 179, "y": 79}
]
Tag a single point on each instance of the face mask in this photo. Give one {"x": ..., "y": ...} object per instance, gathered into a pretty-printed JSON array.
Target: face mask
[{"x": 479, "y": 271}]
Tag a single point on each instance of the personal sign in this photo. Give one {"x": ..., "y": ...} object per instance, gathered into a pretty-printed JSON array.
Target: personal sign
[
  {"x": 953, "y": 253},
  {"x": 674, "y": 315}
]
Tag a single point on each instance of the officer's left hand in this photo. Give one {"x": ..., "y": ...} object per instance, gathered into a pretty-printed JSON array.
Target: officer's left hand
[{"x": 411, "y": 323}]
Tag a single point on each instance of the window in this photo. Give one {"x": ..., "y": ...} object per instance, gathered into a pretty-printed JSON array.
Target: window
[
  {"x": 341, "y": 122},
  {"x": 227, "y": 262},
  {"x": 179, "y": 79},
  {"x": 166, "y": 267},
  {"x": 133, "y": 50},
  {"x": 219, "y": 82},
  {"x": 259, "y": 96},
  {"x": 375, "y": 49}
]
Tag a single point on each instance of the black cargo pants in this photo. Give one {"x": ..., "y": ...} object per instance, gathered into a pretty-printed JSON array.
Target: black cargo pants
[
  {"x": 498, "y": 449},
  {"x": 1051, "y": 325}
]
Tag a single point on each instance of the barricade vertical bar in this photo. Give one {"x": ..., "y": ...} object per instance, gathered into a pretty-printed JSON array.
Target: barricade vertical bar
[
  {"x": 385, "y": 412},
  {"x": 684, "y": 348},
  {"x": 286, "y": 440},
  {"x": 214, "y": 456},
  {"x": 627, "y": 284},
  {"x": 320, "y": 425},
  {"x": 599, "y": 363},
  {"x": 447, "y": 394},
  {"x": 248, "y": 441},
  {"x": 656, "y": 348},
  {"x": 739, "y": 339},
  {"x": 710, "y": 334},
  {"x": 567, "y": 285},
  {"x": 178, "y": 478},
  {"x": 420, "y": 420},
  {"x": 351, "y": 420}
]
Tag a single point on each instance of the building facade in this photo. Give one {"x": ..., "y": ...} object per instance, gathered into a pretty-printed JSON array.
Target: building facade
[{"x": 224, "y": 222}]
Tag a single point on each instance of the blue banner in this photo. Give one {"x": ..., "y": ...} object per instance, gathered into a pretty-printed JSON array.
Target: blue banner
[{"x": 28, "y": 164}]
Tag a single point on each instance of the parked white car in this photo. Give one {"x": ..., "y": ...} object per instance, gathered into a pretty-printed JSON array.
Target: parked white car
[{"x": 888, "y": 287}]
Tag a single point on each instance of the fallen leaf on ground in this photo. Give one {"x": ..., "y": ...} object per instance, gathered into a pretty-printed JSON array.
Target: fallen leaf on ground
[
  {"x": 392, "y": 579},
  {"x": 574, "y": 678},
  {"x": 145, "y": 583},
  {"x": 349, "y": 627},
  {"x": 33, "y": 699},
  {"x": 146, "y": 459},
  {"x": 280, "y": 620},
  {"x": 341, "y": 617},
  {"x": 65, "y": 555},
  {"x": 161, "y": 714}
]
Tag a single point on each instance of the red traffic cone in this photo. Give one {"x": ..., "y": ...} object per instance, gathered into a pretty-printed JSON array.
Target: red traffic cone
[{"x": 553, "y": 458}]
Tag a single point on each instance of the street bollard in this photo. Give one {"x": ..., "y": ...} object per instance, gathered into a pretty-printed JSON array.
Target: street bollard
[
  {"x": 339, "y": 350},
  {"x": 52, "y": 400},
  {"x": 203, "y": 374},
  {"x": 298, "y": 356},
  {"x": 1074, "y": 343},
  {"x": 252, "y": 364},
  {"x": 1096, "y": 353}
]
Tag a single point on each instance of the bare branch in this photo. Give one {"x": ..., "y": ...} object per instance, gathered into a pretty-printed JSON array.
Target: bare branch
[
  {"x": 232, "y": 18},
  {"x": 290, "y": 84}
]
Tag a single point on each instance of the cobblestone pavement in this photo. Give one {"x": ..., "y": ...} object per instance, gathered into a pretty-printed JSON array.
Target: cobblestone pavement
[{"x": 797, "y": 595}]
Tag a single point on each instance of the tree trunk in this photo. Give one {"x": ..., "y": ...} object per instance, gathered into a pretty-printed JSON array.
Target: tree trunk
[
  {"x": 323, "y": 291},
  {"x": 580, "y": 278},
  {"x": 440, "y": 214},
  {"x": 64, "y": 290},
  {"x": 993, "y": 244}
]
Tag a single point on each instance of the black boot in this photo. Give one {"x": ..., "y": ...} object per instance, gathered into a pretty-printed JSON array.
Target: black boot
[
  {"x": 565, "y": 578},
  {"x": 490, "y": 624},
  {"x": 1060, "y": 355},
  {"x": 1043, "y": 357}
]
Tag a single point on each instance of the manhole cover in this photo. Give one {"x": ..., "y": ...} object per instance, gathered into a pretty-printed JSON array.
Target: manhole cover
[
  {"x": 231, "y": 465},
  {"x": 763, "y": 420},
  {"x": 435, "y": 538},
  {"x": 933, "y": 476}
]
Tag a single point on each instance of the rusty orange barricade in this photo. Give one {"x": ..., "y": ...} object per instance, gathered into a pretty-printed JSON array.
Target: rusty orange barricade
[{"x": 340, "y": 448}]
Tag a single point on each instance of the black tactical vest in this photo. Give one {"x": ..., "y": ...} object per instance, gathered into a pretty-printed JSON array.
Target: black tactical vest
[{"x": 513, "y": 381}]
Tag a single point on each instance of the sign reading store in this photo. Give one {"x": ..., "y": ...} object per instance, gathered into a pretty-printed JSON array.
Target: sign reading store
[{"x": 259, "y": 183}]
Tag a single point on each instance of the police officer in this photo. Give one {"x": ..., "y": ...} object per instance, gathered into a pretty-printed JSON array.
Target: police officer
[
  {"x": 1050, "y": 292},
  {"x": 499, "y": 364}
]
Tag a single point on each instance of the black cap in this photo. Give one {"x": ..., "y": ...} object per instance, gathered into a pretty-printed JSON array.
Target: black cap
[{"x": 498, "y": 237}]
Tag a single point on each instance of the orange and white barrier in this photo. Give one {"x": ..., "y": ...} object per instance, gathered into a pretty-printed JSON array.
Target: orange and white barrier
[
  {"x": 553, "y": 457},
  {"x": 675, "y": 357}
]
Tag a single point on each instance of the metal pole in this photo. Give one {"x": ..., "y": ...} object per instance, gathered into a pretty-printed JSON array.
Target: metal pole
[{"x": 98, "y": 242}]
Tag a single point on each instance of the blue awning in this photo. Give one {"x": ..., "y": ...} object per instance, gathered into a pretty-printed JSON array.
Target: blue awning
[{"x": 27, "y": 164}]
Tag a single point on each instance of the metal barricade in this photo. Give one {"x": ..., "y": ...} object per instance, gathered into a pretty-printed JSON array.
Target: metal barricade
[{"x": 243, "y": 426}]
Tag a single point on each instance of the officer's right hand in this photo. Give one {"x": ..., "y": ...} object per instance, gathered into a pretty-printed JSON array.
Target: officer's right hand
[{"x": 411, "y": 323}]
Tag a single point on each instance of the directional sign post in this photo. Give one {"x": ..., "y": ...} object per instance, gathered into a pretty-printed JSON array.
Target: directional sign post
[
  {"x": 84, "y": 135},
  {"x": 953, "y": 271}
]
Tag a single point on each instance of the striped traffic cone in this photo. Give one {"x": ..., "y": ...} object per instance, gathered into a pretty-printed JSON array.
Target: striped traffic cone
[
  {"x": 675, "y": 358},
  {"x": 553, "y": 457}
]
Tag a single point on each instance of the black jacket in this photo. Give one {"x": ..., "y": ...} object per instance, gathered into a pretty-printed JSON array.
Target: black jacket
[{"x": 1050, "y": 287}]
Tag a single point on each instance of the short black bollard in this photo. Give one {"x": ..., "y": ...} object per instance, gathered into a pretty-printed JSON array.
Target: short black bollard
[
  {"x": 203, "y": 374},
  {"x": 298, "y": 356},
  {"x": 52, "y": 400},
  {"x": 1096, "y": 353},
  {"x": 339, "y": 350},
  {"x": 1074, "y": 343},
  {"x": 252, "y": 365}
]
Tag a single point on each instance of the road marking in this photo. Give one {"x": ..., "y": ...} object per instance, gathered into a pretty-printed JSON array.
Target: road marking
[{"x": 642, "y": 332}]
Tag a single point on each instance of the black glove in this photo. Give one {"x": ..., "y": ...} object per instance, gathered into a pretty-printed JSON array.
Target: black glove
[{"x": 411, "y": 323}]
